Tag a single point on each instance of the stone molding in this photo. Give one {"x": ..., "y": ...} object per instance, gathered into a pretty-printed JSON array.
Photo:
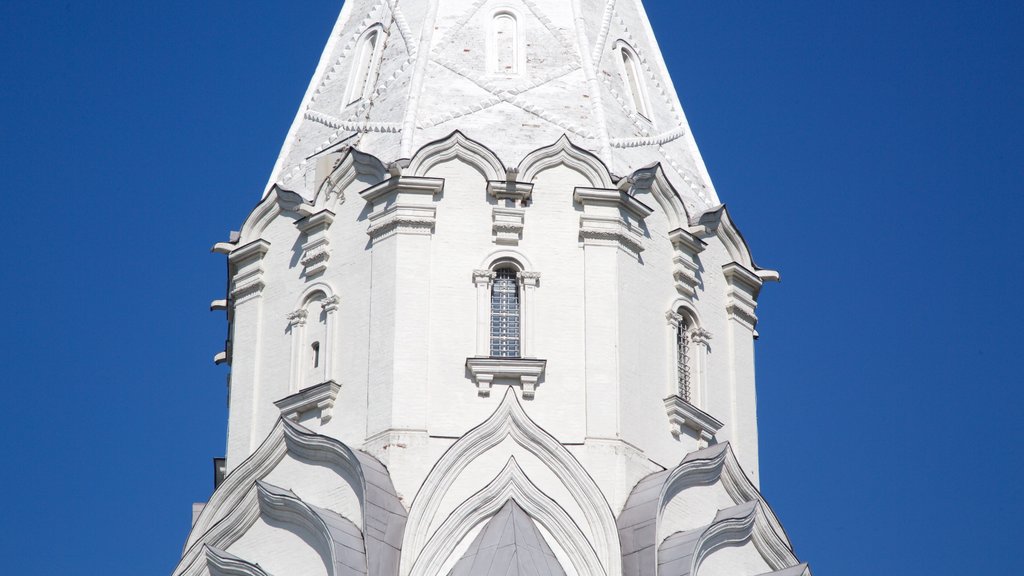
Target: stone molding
[
  {"x": 234, "y": 506},
  {"x": 246, "y": 267},
  {"x": 510, "y": 420},
  {"x": 743, "y": 523},
  {"x": 457, "y": 145},
  {"x": 685, "y": 261},
  {"x": 510, "y": 484},
  {"x": 484, "y": 277},
  {"x": 741, "y": 295},
  {"x": 682, "y": 415},
  {"x": 418, "y": 220},
  {"x": 612, "y": 218},
  {"x": 341, "y": 546},
  {"x": 316, "y": 249},
  {"x": 319, "y": 397},
  {"x": 507, "y": 225},
  {"x": 525, "y": 372},
  {"x": 640, "y": 523},
  {"x": 564, "y": 152},
  {"x": 297, "y": 318},
  {"x": 220, "y": 563},
  {"x": 402, "y": 205},
  {"x": 511, "y": 191}
]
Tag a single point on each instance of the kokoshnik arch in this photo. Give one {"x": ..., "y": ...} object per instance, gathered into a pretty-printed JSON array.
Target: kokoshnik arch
[{"x": 490, "y": 316}]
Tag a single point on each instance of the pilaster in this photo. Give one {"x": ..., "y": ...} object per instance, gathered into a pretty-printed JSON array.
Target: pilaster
[
  {"x": 402, "y": 218},
  {"x": 742, "y": 288},
  {"x": 611, "y": 225},
  {"x": 245, "y": 267}
]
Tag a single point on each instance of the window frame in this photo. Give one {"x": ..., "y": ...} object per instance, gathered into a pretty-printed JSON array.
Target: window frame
[{"x": 631, "y": 71}]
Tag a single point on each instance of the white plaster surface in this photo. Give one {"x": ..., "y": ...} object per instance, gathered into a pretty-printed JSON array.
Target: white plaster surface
[{"x": 377, "y": 222}]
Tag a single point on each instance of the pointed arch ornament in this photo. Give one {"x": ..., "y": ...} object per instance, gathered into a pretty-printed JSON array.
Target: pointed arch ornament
[
  {"x": 457, "y": 145},
  {"x": 564, "y": 152},
  {"x": 510, "y": 484},
  {"x": 510, "y": 420}
]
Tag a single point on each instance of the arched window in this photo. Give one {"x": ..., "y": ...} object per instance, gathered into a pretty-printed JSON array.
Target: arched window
[
  {"x": 684, "y": 373},
  {"x": 505, "y": 298},
  {"x": 691, "y": 345},
  {"x": 365, "y": 65},
  {"x": 311, "y": 328},
  {"x": 506, "y": 321},
  {"x": 633, "y": 79},
  {"x": 505, "y": 44}
]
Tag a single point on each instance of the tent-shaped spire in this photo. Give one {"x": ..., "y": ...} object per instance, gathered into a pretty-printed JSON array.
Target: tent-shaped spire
[
  {"x": 513, "y": 75},
  {"x": 509, "y": 545}
]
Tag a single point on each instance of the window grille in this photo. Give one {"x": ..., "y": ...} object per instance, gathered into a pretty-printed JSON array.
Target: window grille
[
  {"x": 505, "y": 318},
  {"x": 683, "y": 358}
]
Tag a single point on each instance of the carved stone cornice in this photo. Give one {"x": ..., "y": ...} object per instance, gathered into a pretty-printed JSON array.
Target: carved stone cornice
[
  {"x": 402, "y": 219},
  {"x": 686, "y": 264},
  {"x": 741, "y": 295},
  {"x": 516, "y": 192},
  {"x": 616, "y": 200},
  {"x": 316, "y": 250},
  {"x": 612, "y": 218},
  {"x": 508, "y": 224},
  {"x": 610, "y": 231},
  {"x": 245, "y": 265},
  {"x": 397, "y": 187},
  {"x": 402, "y": 205}
]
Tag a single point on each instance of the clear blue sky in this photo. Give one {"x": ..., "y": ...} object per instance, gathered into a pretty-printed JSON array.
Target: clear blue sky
[{"x": 869, "y": 150}]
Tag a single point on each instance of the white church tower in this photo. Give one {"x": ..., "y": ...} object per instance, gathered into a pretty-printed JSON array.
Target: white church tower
[{"x": 490, "y": 316}]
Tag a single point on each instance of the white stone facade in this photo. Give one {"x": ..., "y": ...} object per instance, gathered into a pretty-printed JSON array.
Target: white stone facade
[{"x": 447, "y": 151}]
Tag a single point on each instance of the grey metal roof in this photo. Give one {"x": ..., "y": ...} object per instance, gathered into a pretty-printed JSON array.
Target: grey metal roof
[
  {"x": 344, "y": 538},
  {"x": 509, "y": 545}
]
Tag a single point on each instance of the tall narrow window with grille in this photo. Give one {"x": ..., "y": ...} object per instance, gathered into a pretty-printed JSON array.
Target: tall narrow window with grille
[
  {"x": 505, "y": 314},
  {"x": 683, "y": 361}
]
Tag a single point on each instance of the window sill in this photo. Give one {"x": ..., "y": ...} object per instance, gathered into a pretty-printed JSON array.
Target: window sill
[
  {"x": 524, "y": 372},
  {"x": 319, "y": 397},
  {"x": 682, "y": 415}
]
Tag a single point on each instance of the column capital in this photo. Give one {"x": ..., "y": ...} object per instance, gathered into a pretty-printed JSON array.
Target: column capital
[
  {"x": 331, "y": 304},
  {"x": 483, "y": 277},
  {"x": 529, "y": 279},
  {"x": 297, "y": 318}
]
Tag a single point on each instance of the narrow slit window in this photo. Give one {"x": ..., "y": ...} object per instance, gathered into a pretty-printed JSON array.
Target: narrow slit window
[
  {"x": 631, "y": 68},
  {"x": 316, "y": 354},
  {"x": 505, "y": 316},
  {"x": 506, "y": 44},
  {"x": 365, "y": 67}
]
